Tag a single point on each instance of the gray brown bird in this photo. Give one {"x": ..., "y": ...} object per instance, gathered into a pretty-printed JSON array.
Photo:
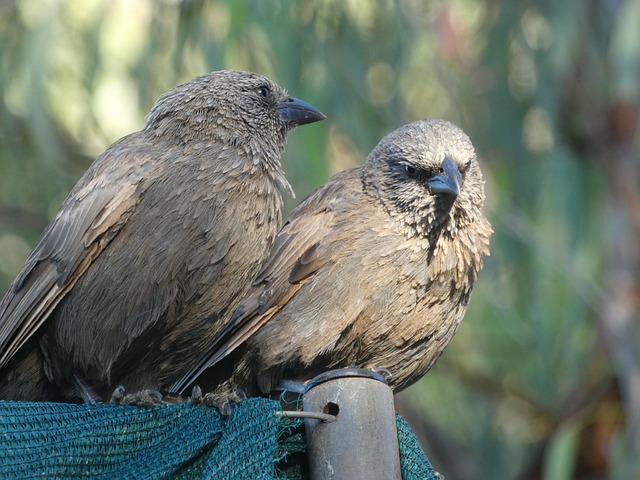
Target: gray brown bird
[
  {"x": 374, "y": 269},
  {"x": 154, "y": 246}
]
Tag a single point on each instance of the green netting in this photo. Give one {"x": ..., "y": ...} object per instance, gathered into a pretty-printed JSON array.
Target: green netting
[{"x": 55, "y": 440}]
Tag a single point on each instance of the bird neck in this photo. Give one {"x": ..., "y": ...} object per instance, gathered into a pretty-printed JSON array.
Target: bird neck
[
  {"x": 234, "y": 150},
  {"x": 458, "y": 254}
]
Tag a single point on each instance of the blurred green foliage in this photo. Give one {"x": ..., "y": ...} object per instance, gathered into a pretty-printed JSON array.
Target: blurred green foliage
[{"x": 542, "y": 378}]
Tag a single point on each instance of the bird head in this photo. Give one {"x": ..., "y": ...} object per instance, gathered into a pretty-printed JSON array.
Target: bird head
[
  {"x": 242, "y": 109},
  {"x": 429, "y": 178}
]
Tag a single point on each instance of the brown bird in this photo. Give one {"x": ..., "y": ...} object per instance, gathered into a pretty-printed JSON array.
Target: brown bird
[
  {"x": 154, "y": 246},
  {"x": 374, "y": 269}
]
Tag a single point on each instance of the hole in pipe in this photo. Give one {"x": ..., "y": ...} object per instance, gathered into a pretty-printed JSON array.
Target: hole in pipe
[{"x": 331, "y": 409}]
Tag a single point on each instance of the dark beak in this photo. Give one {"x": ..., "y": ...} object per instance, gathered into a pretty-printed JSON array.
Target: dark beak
[
  {"x": 297, "y": 112},
  {"x": 447, "y": 182}
]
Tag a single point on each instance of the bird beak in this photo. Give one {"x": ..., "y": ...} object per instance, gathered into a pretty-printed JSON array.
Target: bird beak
[
  {"x": 448, "y": 182},
  {"x": 297, "y": 112}
]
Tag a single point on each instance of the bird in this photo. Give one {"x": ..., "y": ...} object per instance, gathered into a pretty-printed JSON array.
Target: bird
[
  {"x": 154, "y": 246},
  {"x": 374, "y": 270}
]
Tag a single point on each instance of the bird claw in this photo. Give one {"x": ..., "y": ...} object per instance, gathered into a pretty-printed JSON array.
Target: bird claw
[
  {"x": 196, "y": 394},
  {"x": 117, "y": 395},
  {"x": 141, "y": 398},
  {"x": 386, "y": 373}
]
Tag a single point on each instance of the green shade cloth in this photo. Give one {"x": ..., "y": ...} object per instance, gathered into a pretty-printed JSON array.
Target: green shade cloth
[{"x": 185, "y": 441}]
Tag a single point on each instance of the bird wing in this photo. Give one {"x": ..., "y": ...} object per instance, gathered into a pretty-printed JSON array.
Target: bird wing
[
  {"x": 293, "y": 259},
  {"x": 88, "y": 220}
]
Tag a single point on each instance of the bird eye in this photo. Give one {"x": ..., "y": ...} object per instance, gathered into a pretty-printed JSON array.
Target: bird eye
[
  {"x": 264, "y": 91},
  {"x": 409, "y": 170}
]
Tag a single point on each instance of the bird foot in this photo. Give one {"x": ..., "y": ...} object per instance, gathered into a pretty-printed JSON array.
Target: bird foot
[
  {"x": 143, "y": 397},
  {"x": 221, "y": 401}
]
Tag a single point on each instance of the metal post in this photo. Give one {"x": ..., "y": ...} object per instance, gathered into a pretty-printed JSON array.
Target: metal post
[{"x": 363, "y": 441}]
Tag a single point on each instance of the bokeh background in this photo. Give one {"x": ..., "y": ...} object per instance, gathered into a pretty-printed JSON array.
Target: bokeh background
[{"x": 543, "y": 378}]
